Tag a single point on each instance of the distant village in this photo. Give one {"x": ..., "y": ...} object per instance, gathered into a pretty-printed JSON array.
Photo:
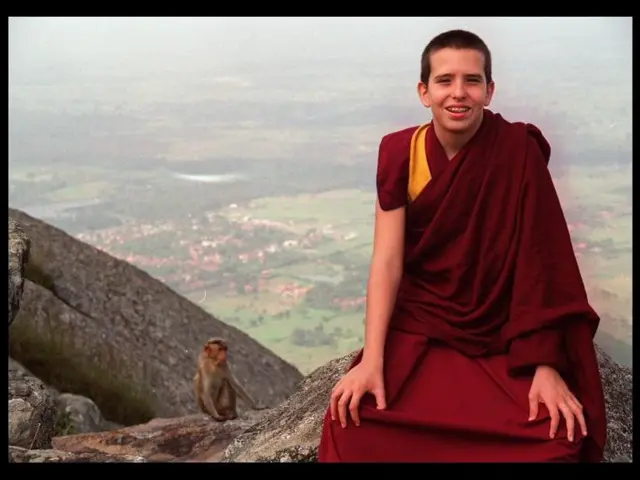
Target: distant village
[{"x": 197, "y": 251}]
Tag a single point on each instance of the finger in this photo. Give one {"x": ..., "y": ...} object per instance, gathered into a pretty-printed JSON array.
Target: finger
[
  {"x": 342, "y": 408},
  {"x": 569, "y": 418},
  {"x": 337, "y": 387},
  {"x": 578, "y": 411},
  {"x": 573, "y": 399},
  {"x": 555, "y": 418},
  {"x": 381, "y": 402},
  {"x": 533, "y": 408},
  {"x": 335, "y": 396},
  {"x": 353, "y": 407}
]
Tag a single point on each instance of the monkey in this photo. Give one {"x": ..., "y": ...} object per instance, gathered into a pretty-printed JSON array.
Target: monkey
[{"x": 215, "y": 386}]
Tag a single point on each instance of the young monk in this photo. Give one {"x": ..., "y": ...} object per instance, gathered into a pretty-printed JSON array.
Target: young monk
[{"x": 479, "y": 336}]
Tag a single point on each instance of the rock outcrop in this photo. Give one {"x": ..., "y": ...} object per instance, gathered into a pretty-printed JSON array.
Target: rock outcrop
[
  {"x": 291, "y": 432},
  {"x": 618, "y": 385},
  {"x": 82, "y": 414},
  {"x": 19, "y": 246},
  {"x": 35, "y": 409},
  {"x": 23, "y": 455},
  {"x": 103, "y": 303},
  {"x": 193, "y": 438},
  {"x": 32, "y": 412}
]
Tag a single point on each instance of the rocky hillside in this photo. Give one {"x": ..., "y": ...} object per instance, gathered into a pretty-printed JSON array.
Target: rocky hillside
[
  {"x": 40, "y": 417},
  {"x": 104, "y": 312}
]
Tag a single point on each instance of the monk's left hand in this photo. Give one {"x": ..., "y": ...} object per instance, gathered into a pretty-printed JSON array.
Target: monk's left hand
[{"x": 549, "y": 388}]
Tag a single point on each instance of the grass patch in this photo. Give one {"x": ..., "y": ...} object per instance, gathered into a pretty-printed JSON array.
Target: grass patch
[
  {"x": 35, "y": 274},
  {"x": 64, "y": 425},
  {"x": 312, "y": 269},
  {"x": 335, "y": 207},
  {"x": 81, "y": 191},
  {"x": 278, "y": 332},
  {"x": 53, "y": 356}
]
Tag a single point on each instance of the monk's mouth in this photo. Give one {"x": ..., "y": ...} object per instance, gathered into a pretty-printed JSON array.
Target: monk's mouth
[{"x": 458, "y": 110}]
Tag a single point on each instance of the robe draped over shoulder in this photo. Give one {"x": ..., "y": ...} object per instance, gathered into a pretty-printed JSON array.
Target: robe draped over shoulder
[
  {"x": 541, "y": 347},
  {"x": 392, "y": 176}
]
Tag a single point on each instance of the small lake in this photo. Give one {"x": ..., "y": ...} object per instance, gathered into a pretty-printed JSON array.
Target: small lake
[{"x": 209, "y": 178}]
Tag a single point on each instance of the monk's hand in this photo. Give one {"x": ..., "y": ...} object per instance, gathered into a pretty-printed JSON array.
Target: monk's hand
[
  {"x": 364, "y": 377},
  {"x": 549, "y": 388}
]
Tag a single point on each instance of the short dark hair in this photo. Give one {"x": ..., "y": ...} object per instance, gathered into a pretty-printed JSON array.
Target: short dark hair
[{"x": 459, "y": 39}]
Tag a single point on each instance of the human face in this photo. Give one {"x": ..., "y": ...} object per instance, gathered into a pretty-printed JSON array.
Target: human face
[{"x": 457, "y": 92}]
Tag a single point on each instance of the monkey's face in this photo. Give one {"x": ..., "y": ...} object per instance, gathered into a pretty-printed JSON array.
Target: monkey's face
[
  {"x": 216, "y": 351},
  {"x": 221, "y": 355}
]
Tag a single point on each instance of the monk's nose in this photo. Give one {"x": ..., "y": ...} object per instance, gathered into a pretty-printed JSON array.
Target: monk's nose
[{"x": 458, "y": 90}]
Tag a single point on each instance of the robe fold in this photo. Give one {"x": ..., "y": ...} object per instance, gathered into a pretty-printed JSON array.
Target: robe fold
[{"x": 490, "y": 289}]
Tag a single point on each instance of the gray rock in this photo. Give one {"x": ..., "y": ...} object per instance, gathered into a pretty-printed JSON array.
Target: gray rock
[
  {"x": 32, "y": 411},
  {"x": 618, "y": 384},
  {"x": 194, "y": 438},
  {"x": 19, "y": 246},
  {"x": 82, "y": 413},
  {"x": 23, "y": 455},
  {"x": 291, "y": 432}
]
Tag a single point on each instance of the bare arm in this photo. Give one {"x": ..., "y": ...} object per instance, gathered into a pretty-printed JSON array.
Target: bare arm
[{"x": 384, "y": 278}]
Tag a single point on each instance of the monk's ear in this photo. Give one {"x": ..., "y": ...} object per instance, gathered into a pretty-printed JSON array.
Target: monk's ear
[
  {"x": 491, "y": 88},
  {"x": 423, "y": 94}
]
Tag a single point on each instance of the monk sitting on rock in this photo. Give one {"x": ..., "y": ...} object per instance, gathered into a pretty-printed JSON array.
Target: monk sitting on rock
[{"x": 479, "y": 335}]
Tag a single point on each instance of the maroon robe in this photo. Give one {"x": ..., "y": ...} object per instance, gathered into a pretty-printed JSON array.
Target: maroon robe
[{"x": 490, "y": 289}]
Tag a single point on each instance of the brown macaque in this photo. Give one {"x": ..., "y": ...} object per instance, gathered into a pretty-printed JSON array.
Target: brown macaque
[{"x": 215, "y": 386}]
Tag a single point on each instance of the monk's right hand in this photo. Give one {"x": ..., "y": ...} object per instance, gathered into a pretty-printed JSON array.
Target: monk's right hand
[{"x": 363, "y": 378}]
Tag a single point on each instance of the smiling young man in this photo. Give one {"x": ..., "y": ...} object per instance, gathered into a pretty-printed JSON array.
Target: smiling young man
[{"x": 479, "y": 336}]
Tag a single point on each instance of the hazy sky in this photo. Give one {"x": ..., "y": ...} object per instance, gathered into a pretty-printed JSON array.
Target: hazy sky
[
  {"x": 149, "y": 42},
  {"x": 575, "y": 71}
]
